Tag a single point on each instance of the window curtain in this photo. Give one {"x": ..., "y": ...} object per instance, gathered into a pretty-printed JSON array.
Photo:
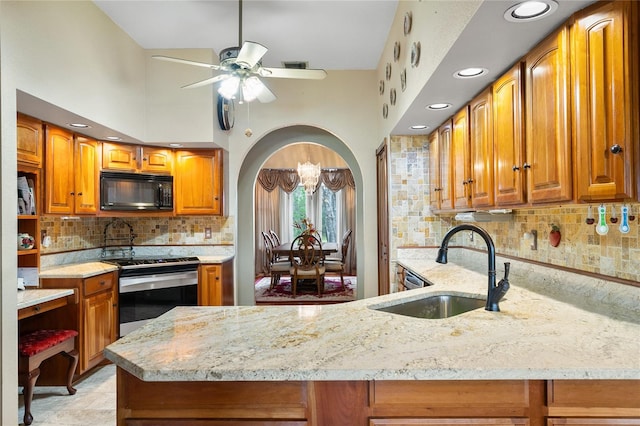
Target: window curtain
[
  {"x": 270, "y": 202},
  {"x": 267, "y": 207}
]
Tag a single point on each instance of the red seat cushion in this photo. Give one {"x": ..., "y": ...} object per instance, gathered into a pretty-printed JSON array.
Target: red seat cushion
[{"x": 37, "y": 341}]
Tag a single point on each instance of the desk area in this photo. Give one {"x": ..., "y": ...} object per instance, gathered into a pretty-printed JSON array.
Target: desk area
[{"x": 37, "y": 301}]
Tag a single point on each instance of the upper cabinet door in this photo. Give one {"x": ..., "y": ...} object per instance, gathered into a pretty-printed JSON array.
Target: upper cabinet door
[
  {"x": 156, "y": 160},
  {"x": 548, "y": 141},
  {"x": 481, "y": 144},
  {"x": 605, "y": 72},
  {"x": 121, "y": 157},
  {"x": 198, "y": 182},
  {"x": 446, "y": 166},
  {"x": 59, "y": 179},
  {"x": 508, "y": 139},
  {"x": 86, "y": 175},
  {"x": 461, "y": 159},
  {"x": 434, "y": 172},
  {"x": 29, "y": 141}
]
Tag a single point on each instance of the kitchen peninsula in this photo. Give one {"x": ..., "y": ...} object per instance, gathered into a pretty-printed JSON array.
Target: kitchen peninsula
[{"x": 541, "y": 357}]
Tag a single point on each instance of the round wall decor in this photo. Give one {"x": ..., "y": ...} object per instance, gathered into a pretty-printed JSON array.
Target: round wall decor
[
  {"x": 385, "y": 111},
  {"x": 396, "y": 51},
  {"x": 392, "y": 96},
  {"x": 381, "y": 87},
  {"x": 415, "y": 54},
  {"x": 408, "y": 18},
  {"x": 388, "y": 71},
  {"x": 403, "y": 79}
]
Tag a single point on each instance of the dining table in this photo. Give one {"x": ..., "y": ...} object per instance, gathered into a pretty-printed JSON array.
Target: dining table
[{"x": 284, "y": 249}]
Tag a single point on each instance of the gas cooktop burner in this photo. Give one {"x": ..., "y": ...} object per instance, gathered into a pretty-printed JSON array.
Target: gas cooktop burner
[{"x": 150, "y": 262}]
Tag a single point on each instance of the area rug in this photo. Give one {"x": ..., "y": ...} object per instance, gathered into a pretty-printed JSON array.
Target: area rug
[{"x": 306, "y": 293}]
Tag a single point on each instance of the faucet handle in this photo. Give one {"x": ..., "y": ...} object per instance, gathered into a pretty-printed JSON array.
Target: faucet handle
[{"x": 507, "y": 265}]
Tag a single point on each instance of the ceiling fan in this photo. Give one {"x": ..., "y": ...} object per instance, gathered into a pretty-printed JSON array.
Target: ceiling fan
[{"x": 241, "y": 70}]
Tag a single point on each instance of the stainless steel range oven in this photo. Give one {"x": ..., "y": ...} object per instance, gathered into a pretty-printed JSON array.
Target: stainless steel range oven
[{"x": 151, "y": 287}]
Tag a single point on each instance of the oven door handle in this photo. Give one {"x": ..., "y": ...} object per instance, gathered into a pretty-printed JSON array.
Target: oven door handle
[{"x": 158, "y": 281}]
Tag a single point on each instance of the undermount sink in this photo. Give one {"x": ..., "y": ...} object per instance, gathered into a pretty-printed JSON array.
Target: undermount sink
[{"x": 436, "y": 307}]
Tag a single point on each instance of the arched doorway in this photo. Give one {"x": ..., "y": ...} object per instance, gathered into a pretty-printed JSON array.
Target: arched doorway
[{"x": 246, "y": 213}]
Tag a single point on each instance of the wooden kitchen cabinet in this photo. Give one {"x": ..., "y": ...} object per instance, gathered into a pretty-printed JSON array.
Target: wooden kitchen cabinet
[
  {"x": 460, "y": 160},
  {"x": 94, "y": 316},
  {"x": 29, "y": 142},
  {"x": 480, "y": 186},
  {"x": 605, "y": 111},
  {"x": 548, "y": 160},
  {"x": 198, "y": 182},
  {"x": 215, "y": 284},
  {"x": 508, "y": 134},
  {"x": 136, "y": 158},
  {"x": 71, "y": 173}
]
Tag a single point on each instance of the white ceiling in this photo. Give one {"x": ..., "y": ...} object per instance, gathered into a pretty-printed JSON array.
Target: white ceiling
[{"x": 338, "y": 35}]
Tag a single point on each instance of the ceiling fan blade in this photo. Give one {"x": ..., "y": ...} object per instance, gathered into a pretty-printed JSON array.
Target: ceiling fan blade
[
  {"x": 293, "y": 73},
  {"x": 266, "y": 96},
  {"x": 250, "y": 53},
  {"x": 210, "y": 80},
  {"x": 187, "y": 62}
]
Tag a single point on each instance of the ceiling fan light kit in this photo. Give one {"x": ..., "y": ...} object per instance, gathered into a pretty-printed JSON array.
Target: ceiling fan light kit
[{"x": 241, "y": 68}]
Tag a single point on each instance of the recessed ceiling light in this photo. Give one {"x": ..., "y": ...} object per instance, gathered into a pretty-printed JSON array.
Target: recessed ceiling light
[
  {"x": 79, "y": 125},
  {"x": 530, "y": 10},
  {"x": 175, "y": 145},
  {"x": 470, "y": 72},
  {"x": 113, "y": 138},
  {"x": 438, "y": 106},
  {"x": 419, "y": 127}
]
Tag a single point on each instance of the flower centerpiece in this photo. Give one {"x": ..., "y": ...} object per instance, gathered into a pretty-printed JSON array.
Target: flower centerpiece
[{"x": 306, "y": 228}]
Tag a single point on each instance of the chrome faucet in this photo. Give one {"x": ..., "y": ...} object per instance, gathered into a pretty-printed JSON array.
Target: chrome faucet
[{"x": 494, "y": 292}]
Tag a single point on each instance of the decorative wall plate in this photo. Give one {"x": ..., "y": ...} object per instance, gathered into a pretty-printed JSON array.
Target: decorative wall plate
[
  {"x": 381, "y": 87},
  {"x": 385, "y": 111},
  {"x": 225, "y": 113},
  {"x": 408, "y": 18},
  {"x": 415, "y": 54},
  {"x": 388, "y": 71},
  {"x": 392, "y": 96},
  {"x": 403, "y": 79},
  {"x": 396, "y": 51}
]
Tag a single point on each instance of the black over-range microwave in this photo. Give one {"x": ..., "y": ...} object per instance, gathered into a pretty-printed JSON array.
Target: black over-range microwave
[{"x": 135, "y": 191}]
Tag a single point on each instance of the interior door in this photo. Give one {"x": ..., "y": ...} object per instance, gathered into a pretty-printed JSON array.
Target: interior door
[{"x": 383, "y": 219}]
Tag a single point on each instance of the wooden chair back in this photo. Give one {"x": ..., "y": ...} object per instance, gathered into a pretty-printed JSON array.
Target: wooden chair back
[{"x": 306, "y": 250}]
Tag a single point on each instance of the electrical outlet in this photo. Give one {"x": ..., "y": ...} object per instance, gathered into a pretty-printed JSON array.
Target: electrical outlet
[{"x": 207, "y": 233}]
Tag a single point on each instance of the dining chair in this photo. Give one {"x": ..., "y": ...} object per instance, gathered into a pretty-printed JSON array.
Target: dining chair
[
  {"x": 339, "y": 265},
  {"x": 307, "y": 262},
  {"x": 273, "y": 267},
  {"x": 274, "y": 237}
]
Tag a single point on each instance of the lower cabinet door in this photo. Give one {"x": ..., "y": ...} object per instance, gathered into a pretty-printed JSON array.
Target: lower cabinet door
[{"x": 99, "y": 329}]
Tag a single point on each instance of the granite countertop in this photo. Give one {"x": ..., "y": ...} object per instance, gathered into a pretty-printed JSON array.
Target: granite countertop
[
  {"x": 32, "y": 297},
  {"x": 535, "y": 336}
]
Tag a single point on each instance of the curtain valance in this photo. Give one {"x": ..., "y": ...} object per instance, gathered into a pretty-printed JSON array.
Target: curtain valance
[{"x": 288, "y": 179}]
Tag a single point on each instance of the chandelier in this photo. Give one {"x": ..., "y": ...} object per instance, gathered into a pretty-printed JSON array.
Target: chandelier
[{"x": 309, "y": 176}]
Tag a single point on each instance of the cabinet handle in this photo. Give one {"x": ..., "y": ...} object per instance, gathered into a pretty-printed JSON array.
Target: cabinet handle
[
  {"x": 103, "y": 282},
  {"x": 526, "y": 166},
  {"x": 80, "y": 194},
  {"x": 36, "y": 308},
  {"x": 469, "y": 181},
  {"x": 465, "y": 182},
  {"x": 515, "y": 168},
  {"x": 72, "y": 193},
  {"x": 144, "y": 159},
  {"x": 616, "y": 149}
]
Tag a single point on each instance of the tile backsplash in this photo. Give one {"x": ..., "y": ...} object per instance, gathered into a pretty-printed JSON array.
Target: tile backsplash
[
  {"x": 83, "y": 233},
  {"x": 412, "y": 223}
]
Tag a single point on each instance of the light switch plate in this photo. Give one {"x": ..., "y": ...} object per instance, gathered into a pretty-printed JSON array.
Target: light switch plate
[{"x": 207, "y": 233}]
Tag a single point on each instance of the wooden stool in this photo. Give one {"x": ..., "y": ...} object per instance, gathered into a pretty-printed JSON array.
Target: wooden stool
[{"x": 35, "y": 347}]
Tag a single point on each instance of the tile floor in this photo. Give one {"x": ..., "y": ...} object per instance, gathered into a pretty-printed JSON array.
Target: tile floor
[{"x": 93, "y": 404}]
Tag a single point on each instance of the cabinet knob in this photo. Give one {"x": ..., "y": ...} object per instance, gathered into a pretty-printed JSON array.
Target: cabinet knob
[
  {"x": 72, "y": 193},
  {"x": 616, "y": 149},
  {"x": 80, "y": 193},
  {"x": 469, "y": 181},
  {"x": 526, "y": 166},
  {"x": 515, "y": 168},
  {"x": 103, "y": 282}
]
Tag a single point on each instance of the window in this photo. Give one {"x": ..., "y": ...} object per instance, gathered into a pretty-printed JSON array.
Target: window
[{"x": 322, "y": 208}]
